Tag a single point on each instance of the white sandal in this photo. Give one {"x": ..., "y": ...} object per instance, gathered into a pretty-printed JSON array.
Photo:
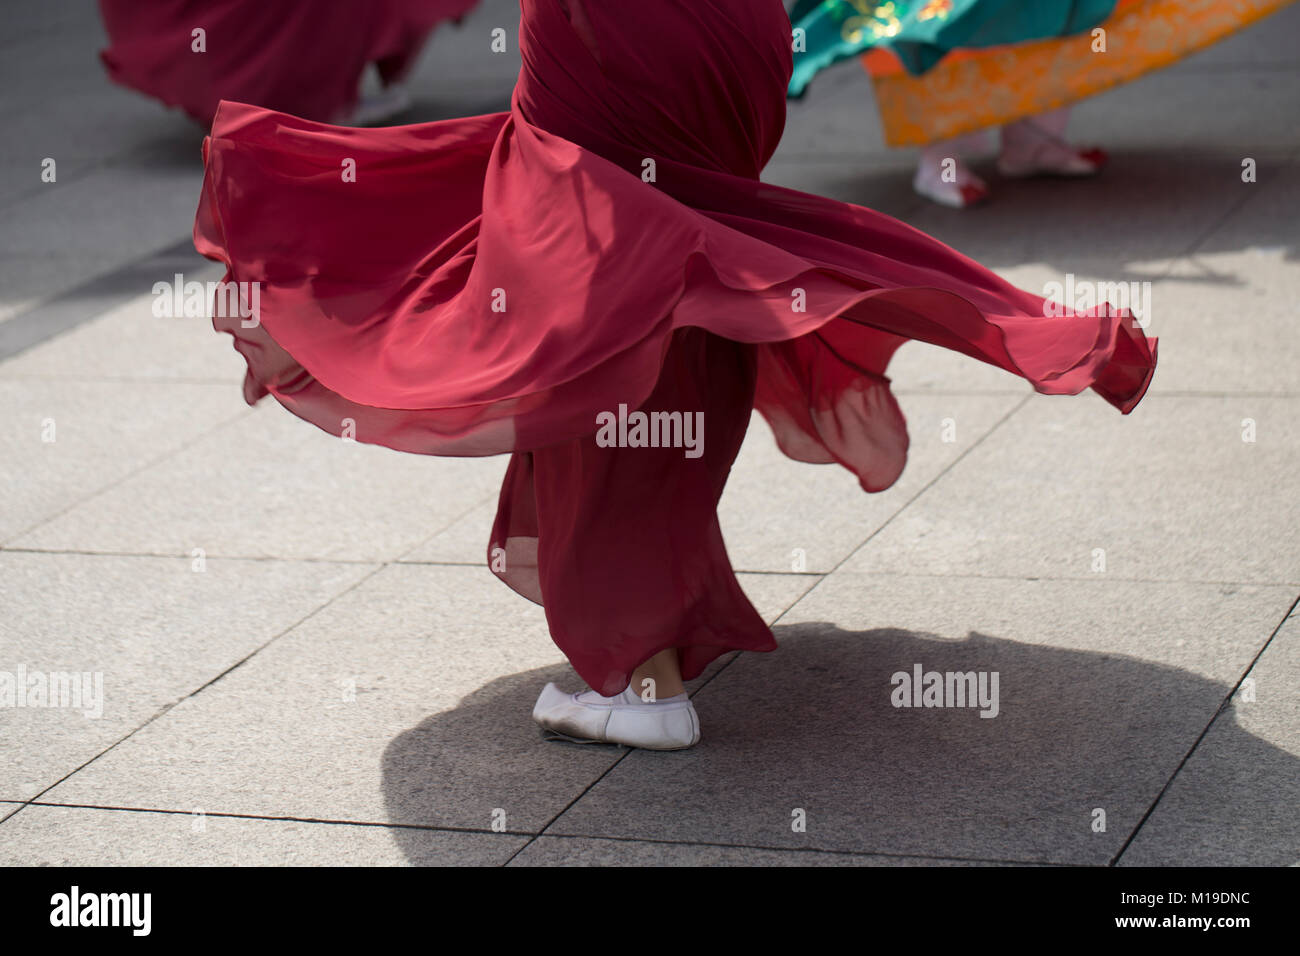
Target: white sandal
[
  {"x": 1030, "y": 150},
  {"x": 965, "y": 189}
]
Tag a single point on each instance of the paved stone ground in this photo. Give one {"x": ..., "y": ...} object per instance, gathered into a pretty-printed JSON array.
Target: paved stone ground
[{"x": 345, "y": 682}]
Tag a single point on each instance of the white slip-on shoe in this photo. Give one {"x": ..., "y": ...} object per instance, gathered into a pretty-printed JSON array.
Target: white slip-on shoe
[{"x": 623, "y": 719}]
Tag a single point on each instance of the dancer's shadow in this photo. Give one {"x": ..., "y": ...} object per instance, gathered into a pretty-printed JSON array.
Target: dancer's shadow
[{"x": 812, "y": 727}]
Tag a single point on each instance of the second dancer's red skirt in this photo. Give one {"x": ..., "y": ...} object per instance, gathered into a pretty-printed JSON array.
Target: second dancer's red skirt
[{"x": 303, "y": 57}]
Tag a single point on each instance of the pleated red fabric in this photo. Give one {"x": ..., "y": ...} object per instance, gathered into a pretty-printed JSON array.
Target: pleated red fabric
[
  {"x": 493, "y": 284},
  {"x": 300, "y": 57}
]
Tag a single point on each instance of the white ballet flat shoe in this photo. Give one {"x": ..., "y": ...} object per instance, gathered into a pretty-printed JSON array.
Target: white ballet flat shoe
[{"x": 623, "y": 719}]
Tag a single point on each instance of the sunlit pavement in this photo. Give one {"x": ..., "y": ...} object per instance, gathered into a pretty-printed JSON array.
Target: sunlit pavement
[{"x": 304, "y": 658}]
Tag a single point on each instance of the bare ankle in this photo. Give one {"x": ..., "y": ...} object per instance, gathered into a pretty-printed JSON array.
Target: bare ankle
[{"x": 659, "y": 677}]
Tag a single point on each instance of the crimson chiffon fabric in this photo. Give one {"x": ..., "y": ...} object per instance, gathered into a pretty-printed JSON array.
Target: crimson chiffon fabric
[
  {"x": 305, "y": 58},
  {"x": 491, "y": 284}
]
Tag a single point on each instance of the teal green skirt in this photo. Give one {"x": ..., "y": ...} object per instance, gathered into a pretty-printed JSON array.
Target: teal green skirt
[{"x": 922, "y": 32}]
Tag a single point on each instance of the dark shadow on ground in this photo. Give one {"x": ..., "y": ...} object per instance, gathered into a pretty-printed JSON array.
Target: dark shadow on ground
[{"x": 811, "y": 726}]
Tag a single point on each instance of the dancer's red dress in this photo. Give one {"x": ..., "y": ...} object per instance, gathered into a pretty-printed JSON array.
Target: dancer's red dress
[
  {"x": 302, "y": 57},
  {"x": 380, "y": 302}
]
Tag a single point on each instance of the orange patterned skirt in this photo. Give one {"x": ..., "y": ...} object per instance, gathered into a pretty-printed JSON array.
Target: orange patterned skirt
[{"x": 976, "y": 89}]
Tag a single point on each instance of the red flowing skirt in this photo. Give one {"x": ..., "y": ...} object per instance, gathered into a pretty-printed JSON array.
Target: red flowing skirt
[
  {"x": 305, "y": 58},
  {"x": 493, "y": 284}
]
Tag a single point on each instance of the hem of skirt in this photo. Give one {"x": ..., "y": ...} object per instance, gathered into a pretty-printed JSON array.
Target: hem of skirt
[
  {"x": 1089, "y": 371},
  {"x": 1132, "y": 403},
  {"x": 692, "y": 665}
]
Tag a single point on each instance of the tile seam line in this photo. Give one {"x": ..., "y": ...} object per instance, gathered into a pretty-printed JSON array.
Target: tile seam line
[
  {"x": 272, "y": 818},
  {"x": 143, "y": 466},
  {"x": 145, "y": 380},
  {"x": 809, "y": 849},
  {"x": 487, "y": 498},
  {"x": 1216, "y": 225},
  {"x": 754, "y": 572},
  {"x": 167, "y": 708},
  {"x": 399, "y": 559},
  {"x": 1224, "y": 706},
  {"x": 1187, "y": 253},
  {"x": 1076, "y": 578},
  {"x": 565, "y": 809},
  {"x": 542, "y": 832},
  {"x": 735, "y": 655},
  {"x": 178, "y": 556},
  {"x": 1227, "y": 700},
  {"x": 180, "y": 246},
  {"x": 1251, "y": 195},
  {"x": 1006, "y": 416},
  {"x": 826, "y": 575},
  {"x": 433, "y": 828}
]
